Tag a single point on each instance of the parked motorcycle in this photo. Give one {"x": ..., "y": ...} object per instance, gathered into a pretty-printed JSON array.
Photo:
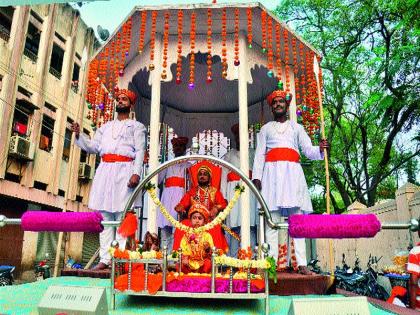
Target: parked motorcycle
[
  {"x": 6, "y": 275},
  {"x": 361, "y": 282},
  {"x": 42, "y": 269}
]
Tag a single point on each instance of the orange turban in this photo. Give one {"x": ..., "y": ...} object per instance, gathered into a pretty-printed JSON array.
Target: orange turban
[
  {"x": 130, "y": 94},
  {"x": 198, "y": 207},
  {"x": 279, "y": 93},
  {"x": 179, "y": 141}
]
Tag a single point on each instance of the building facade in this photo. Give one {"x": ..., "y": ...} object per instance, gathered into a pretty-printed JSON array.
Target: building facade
[{"x": 44, "y": 53}]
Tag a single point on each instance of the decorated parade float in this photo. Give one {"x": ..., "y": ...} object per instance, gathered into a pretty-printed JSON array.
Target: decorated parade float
[{"x": 199, "y": 69}]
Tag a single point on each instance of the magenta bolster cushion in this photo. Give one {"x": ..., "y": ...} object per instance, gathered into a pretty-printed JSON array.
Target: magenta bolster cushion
[
  {"x": 333, "y": 226},
  {"x": 45, "y": 221}
]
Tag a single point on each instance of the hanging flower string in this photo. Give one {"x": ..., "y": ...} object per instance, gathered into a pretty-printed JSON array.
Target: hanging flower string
[
  {"x": 142, "y": 31},
  {"x": 264, "y": 31},
  {"x": 249, "y": 23},
  {"x": 286, "y": 58},
  {"x": 278, "y": 58},
  {"x": 218, "y": 220},
  {"x": 165, "y": 46},
  {"x": 236, "y": 58},
  {"x": 296, "y": 77},
  {"x": 111, "y": 67},
  {"x": 221, "y": 260},
  {"x": 224, "y": 49},
  {"x": 209, "y": 44},
  {"x": 270, "y": 72},
  {"x": 179, "y": 51},
  {"x": 191, "y": 83},
  {"x": 152, "y": 41},
  {"x": 117, "y": 59}
]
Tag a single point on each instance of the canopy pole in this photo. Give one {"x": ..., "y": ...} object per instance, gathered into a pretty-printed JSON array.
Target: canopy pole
[
  {"x": 154, "y": 130},
  {"x": 327, "y": 172},
  {"x": 244, "y": 138}
]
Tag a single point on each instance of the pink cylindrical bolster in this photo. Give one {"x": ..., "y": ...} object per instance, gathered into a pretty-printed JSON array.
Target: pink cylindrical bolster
[
  {"x": 45, "y": 221},
  {"x": 333, "y": 226}
]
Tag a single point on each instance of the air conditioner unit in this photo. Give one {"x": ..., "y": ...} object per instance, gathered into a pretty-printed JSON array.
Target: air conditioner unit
[
  {"x": 21, "y": 148},
  {"x": 85, "y": 171}
]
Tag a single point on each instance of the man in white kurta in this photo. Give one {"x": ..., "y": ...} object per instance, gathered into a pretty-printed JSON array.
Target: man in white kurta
[
  {"x": 278, "y": 173},
  {"x": 173, "y": 180},
  {"x": 229, "y": 182},
  {"x": 120, "y": 144}
]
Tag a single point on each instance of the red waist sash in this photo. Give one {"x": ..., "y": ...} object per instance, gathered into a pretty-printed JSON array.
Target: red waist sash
[
  {"x": 175, "y": 182},
  {"x": 112, "y": 158},
  {"x": 282, "y": 154}
]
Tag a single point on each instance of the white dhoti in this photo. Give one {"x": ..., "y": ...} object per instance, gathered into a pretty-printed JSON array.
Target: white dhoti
[
  {"x": 283, "y": 183},
  {"x": 121, "y": 145},
  {"x": 108, "y": 235},
  {"x": 173, "y": 179},
  {"x": 229, "y": 182}
]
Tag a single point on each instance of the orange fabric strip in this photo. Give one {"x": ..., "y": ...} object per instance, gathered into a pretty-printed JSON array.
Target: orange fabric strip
[
  {"x": 112, "y": 158},
  {"x": 232, "y": 177},
  {"x": 282, "y": 154},
  {"x": 175, "y": 182}
]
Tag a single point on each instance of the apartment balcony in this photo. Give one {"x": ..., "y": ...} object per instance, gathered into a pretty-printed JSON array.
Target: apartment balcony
[
  {"x": 55, "y": 73},
  {"x": 4, "y": 33},
  {"x": 30, "y": 54}
]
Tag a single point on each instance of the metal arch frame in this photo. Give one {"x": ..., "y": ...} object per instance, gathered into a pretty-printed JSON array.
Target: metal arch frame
[{"x": 197, "y": 157}]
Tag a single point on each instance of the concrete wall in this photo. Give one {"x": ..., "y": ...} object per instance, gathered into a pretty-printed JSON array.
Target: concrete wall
[{"x": 386, "y": 243}]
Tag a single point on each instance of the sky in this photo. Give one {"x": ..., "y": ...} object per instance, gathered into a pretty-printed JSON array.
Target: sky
[{"x": 109, "y": 14}]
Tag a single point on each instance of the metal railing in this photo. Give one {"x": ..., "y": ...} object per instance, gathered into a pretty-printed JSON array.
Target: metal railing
[
  {"x": 55, "y": 73},
  {"x": 74, "y": 88},
  {"x": 4, "y": 33},
  {"x": 30, "y": 54}
]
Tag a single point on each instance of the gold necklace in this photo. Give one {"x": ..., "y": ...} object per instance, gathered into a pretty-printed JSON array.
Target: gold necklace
[{"x": 119, "y": 131}]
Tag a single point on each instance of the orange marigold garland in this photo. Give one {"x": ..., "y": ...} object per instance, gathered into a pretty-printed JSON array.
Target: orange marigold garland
[
  {"x": 165, "y": 45},
  {"x": 142, "y": 31},
  {"x": 224, "y": 49},
  {"x": 286, "y": 58},
  {"x": 296, "y": 78},
  {"x": 249, "y": 23},
  {"x": 209, "y": 44},
  {"x": 117, "y": 59},
  {"x": 191, "y": 83},
  {"x": 152, "y": 41},
  {"x": 91, "y": 86},
  {"x": 270, "y": 72},
  {"x": 311, "y": 93},
  {"x": 264, "y": 31},
  {"x": 236, "y": 58},
  {"x": 179, "y": 51},
  {"x": 111, "y": 67},
  {"x": 278, "y": 58}
]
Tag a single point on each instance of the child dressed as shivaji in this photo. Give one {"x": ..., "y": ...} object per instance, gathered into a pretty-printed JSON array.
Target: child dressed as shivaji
[{"x": 196, "y": 247}]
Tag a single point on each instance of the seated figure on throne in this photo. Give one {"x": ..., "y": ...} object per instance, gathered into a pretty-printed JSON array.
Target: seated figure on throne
[
  {"x": 196, "y": 247},
  {"x": 205, "y": 179}
]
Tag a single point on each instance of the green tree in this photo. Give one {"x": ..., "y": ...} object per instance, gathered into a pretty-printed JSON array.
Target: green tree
[{"x": 371, "y": 84}]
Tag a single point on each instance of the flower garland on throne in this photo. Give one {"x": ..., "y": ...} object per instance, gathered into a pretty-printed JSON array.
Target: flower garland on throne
[{"x": 205, "y": 178}]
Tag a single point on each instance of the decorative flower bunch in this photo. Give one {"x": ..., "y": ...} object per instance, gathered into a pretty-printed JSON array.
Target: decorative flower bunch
[
  {"x": 218, "y": 220},
  {"x": 241, "y": 263},
  {"x": 128, "y": 254}
]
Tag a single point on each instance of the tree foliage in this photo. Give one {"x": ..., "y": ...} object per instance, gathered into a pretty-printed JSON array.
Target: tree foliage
[{"x": 371, "y": 85}]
